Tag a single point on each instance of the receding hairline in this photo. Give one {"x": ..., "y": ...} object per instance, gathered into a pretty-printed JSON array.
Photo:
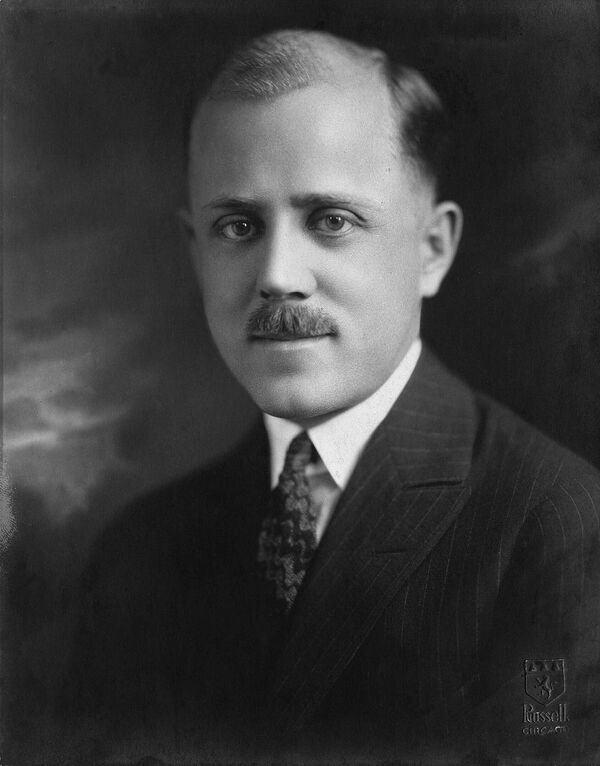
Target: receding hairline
[{"x": 284, "y": 61}]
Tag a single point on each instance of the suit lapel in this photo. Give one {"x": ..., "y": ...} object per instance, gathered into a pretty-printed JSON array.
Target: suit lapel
[{"x": 408, "y": 487}]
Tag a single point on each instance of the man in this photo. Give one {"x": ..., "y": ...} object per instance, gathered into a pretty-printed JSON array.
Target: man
[{"x": 390, "y": 565}]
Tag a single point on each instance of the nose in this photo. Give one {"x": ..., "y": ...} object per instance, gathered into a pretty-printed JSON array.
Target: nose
[{"x": 285, "y": 271}]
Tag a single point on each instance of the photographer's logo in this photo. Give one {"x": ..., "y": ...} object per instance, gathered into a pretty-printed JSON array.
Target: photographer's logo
[
  {"x": 544, "y": 680},
  {"x": 545, "y": 684}
]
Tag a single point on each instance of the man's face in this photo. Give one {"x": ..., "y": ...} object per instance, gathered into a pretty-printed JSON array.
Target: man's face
[{"x": 306, "y": 219}]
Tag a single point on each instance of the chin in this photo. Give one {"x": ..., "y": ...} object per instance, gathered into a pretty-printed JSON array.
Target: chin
[
  {"x": 293, "y": 403},
  {"x": 303, "y": 402},
  {"x": 297, "y": 411}
]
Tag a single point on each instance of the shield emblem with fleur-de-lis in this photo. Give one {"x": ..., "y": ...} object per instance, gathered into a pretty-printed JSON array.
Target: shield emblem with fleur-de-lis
[{"x": 545, "y": 680}]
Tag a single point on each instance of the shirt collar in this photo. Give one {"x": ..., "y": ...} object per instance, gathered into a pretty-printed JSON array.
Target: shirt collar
[{"x": 341, "y": 439}]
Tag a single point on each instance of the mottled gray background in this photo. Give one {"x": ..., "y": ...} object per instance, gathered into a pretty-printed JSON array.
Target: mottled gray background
[{"x": 111, "y": 384}]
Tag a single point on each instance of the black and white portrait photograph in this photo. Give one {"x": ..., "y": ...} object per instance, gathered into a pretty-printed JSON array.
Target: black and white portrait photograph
[{"x": 301, "y": 383}]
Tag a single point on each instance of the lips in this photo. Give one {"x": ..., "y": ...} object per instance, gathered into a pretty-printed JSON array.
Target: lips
[{"x": 286, "y": 336}]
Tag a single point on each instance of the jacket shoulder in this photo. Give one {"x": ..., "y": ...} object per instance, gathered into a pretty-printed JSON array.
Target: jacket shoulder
[
  {"x": 528, "y": 468},
  {"x": 185, "y": 517}
]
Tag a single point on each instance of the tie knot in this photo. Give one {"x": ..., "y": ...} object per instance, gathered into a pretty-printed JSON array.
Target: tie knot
[{"x": 299, "y": 453}]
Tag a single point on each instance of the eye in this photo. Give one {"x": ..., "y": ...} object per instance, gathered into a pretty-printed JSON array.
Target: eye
[
  {"x": 331, "y": 223},
  {"x": 236, "y": 228}
]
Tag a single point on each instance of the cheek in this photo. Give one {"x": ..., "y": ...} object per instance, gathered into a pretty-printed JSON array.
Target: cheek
[
  {"x": 378, "y": 287},
  {"x": 225, "y": 286},
  {"x": 398, "y": 281}
]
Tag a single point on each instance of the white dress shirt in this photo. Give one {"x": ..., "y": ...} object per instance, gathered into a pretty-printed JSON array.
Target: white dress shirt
[{"x": 340, "y": 440}]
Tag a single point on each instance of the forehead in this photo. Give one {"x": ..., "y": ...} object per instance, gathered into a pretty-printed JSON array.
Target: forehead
[
  {"x": 359, "y": 94},
  {"x": 326, "y": 134}
]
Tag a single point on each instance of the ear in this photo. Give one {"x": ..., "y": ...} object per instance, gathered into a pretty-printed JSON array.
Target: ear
[
  {"x": 188, "y": 232},
  {"x": 441, "y": 236}
]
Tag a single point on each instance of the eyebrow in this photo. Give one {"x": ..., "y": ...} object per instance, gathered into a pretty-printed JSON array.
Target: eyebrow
[
  {"x": 334, "y": 199},
  {"x": 325, "y": 199},
  {"x": 231, "y": 203}
]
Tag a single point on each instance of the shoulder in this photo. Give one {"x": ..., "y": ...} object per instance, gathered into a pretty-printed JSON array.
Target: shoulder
[
  {"x": 506, "y": 460},
  {"x": 150, "y": 521},
  {"x": 527, "y": 467},
  {"x": 183, "y": 517},
  {"x": 523, "y": 484}
]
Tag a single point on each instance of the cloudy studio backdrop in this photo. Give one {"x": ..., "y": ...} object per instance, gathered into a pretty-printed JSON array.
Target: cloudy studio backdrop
[{"x": 111, "y": 384}]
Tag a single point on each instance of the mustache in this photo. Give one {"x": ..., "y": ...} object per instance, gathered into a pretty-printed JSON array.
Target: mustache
[{"x": 284, "y": 321}]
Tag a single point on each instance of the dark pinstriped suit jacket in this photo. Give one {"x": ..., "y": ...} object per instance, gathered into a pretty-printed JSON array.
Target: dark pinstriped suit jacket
[{"x": 465, "y": 543}]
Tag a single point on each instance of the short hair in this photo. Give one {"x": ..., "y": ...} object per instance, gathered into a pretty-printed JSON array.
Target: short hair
[{"x": 282, "y": 61}]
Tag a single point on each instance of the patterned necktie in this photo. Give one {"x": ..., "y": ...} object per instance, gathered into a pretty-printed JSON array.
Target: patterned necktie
[{"x": 287, "y": 540}]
